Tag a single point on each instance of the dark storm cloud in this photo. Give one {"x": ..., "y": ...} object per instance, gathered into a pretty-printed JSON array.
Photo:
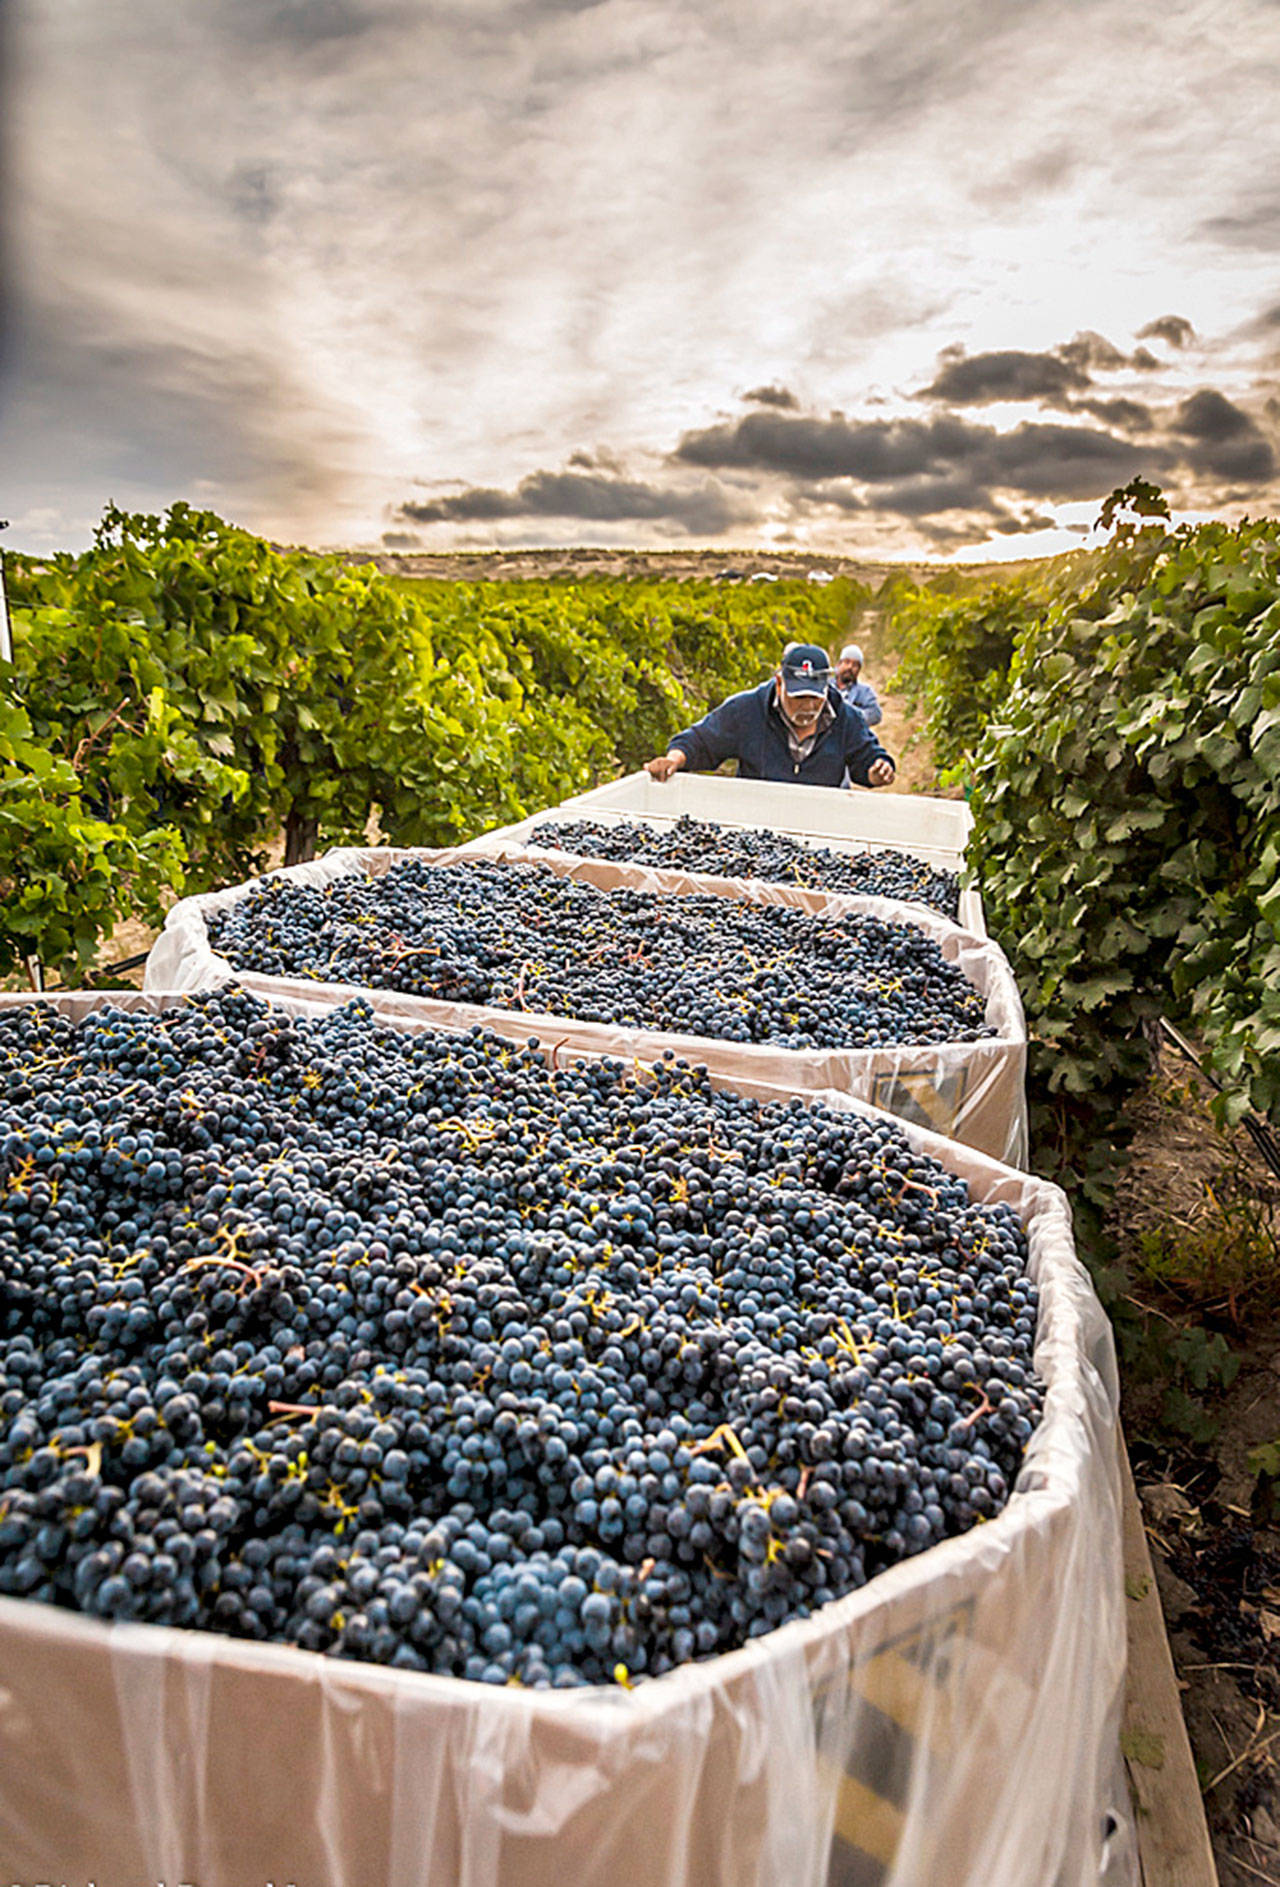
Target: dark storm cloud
[
  {"x": 1053, "y": 461},
  {"x": 1095, "y": 352},
  {"x": 1126, "y": 415},
  {"x": 1046, "y": 460},
  {"x": 1212, "y": 417},
  {"x": 1175, "y": 329},
  {"x": 701, "y": 512},
  {"x": 1228, "y": 442},
  {"x": 812, "y": 447},
  {"x": 919, "y": 498},
  {"x": 1014, "y": 374},
  {"x": 772, "y": 396},
  {"x": 954, "y": 480},
  {"x": 977, "y": 379},
  {"x": 479, "y": 503}
]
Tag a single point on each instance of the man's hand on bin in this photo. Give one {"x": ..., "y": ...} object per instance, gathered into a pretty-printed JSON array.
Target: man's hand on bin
[
  {"x": 879, "y": 773},
  {"x": 666, "y": 764}
]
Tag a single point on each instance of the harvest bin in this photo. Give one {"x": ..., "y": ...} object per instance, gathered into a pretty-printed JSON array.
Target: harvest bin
[
  {"x": 971, "y": 1091},
  {"x": 953, "y": 1724},
  {"x": 935, "y": 830}
]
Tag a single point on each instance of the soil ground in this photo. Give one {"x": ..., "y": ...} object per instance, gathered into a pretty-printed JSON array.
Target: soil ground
[{"x": 1196, "y": 1222}]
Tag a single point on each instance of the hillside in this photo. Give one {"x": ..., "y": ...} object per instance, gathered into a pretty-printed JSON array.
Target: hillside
[{"x": 685, "y": 565}]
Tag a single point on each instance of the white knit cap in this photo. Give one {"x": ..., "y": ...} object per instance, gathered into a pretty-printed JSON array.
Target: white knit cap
[{"x": 851, "y": 653}]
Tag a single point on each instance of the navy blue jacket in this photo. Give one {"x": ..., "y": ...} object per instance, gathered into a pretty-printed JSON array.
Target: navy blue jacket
[{"x": 749, "y": 729}]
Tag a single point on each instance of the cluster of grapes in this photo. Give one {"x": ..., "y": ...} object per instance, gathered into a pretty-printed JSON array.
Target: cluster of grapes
[
  {"x": 697, "y": 845},
  {"x": 420, "y": 1349},
  {"x": 520, "y": 937}
]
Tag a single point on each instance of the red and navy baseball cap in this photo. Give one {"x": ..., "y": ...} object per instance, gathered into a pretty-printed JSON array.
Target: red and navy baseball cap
[{"x": 806, "y": 669}]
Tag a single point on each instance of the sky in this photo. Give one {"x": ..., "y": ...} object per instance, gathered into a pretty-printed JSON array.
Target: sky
[{"x": 894, "y": 278}]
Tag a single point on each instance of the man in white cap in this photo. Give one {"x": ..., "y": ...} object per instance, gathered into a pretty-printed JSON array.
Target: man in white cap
[{"x": 859, "y": 694}]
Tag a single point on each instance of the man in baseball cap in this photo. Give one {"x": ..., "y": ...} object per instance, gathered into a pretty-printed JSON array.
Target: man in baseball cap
[{"x": 795, "y": 726}]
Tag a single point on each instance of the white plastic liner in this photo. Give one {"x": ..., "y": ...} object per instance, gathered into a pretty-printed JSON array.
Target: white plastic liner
[
  {"x": 859, "y": 820},
  {"x": 953, "y": 1724},
  {"x": 971, "y": 1091}
]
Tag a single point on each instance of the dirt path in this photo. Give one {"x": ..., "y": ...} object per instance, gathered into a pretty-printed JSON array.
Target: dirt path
[{"x": 900, "y": 731}]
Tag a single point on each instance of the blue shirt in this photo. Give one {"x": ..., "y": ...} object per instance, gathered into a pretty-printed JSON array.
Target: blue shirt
[
  {"x": 861, "y": 695},
  {"x": 749, "y": 729}
]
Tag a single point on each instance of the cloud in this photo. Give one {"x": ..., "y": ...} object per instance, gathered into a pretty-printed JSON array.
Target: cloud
[
  {"x": 920, "y": 498},
  {"x": 251, "y": 194},
  {"x": 1041, "y": 171},
  {"x": 960, "y": 534},
  {"x": 598, "y": 461},
  {"x": 1014, "y": 374},
  {"x": 1009, "y": 526},
  {"x": 350, "y": 252},
  {"x": 951, "y": 467},
  {"x": 772, "y": 396},
  {"x": 1090, "y": 350},
  {"x": 1054, "y": 461},
  {"x": 1175, "y": 329},
  {"x": 979, "y": 379},
  {"x": 1212, "y": 417},
  {"x": 1256, "y": 227},
  {"x": 700, "y": 511},
  {"x": 1228, "y": 443},
  {"x": 295, "y": 25},
  {"x": 1126, "y": 415},
  {"x": 1044, "y": 460},
  {"x": 810, "y": 447},
  {"x": 140, "y": 408}
]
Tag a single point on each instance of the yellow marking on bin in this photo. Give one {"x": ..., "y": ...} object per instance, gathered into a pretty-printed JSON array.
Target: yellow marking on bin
[{"x": 902, "y": 1706}]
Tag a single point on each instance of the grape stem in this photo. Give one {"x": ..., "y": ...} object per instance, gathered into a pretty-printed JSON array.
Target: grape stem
[{"x": 985, "y": 1407}]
